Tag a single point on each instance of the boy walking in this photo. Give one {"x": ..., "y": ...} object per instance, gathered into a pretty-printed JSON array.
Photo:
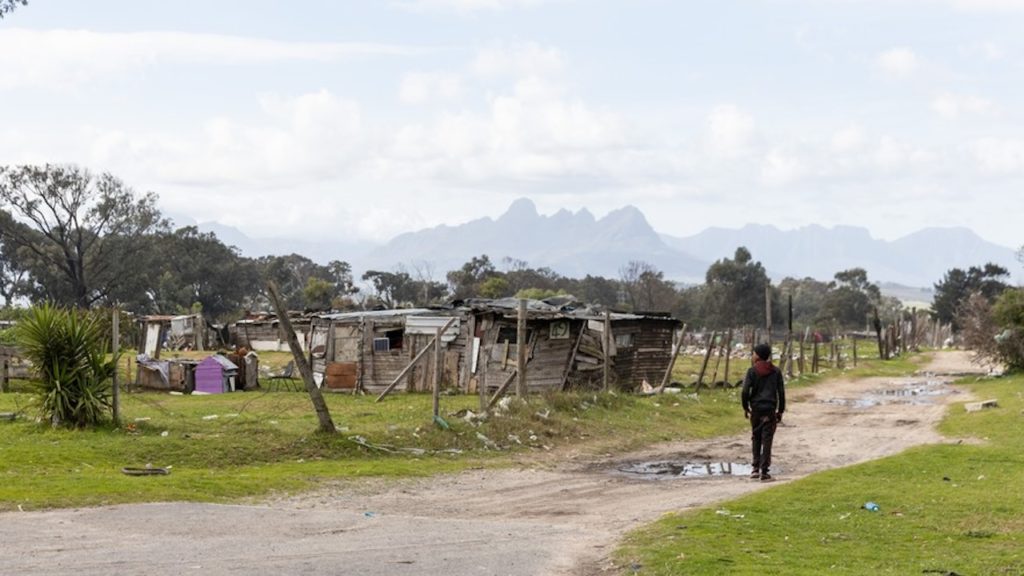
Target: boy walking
[{"x": 764, "y": 401}]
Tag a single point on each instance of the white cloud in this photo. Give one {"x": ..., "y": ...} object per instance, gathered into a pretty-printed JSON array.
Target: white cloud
[
  {"x": 951, "y": 106},
  {"x": 848, "y": 139},
  {"x": 467, "y": 6},
  {"x": 729, "y": 130},
  {"x": 60, "y": 58},
  {"x": 421, "y": 87},
  {"x": 897, "y": 61},
  {"x": 519, "y": 61},
  {"x": 998, "y": 155},
  {"x": 779, "y": 168}
]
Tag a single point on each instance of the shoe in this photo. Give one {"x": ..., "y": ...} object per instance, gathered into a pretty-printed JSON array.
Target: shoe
[
  {"x": 755, "y": 474},
  {"x": 766, "y": 477}
]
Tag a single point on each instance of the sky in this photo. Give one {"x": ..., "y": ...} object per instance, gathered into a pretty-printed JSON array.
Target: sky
[{"x": 360, "y": 120}]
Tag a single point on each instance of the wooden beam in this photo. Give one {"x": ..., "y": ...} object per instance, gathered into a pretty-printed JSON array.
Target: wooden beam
[
  {"x": 707, "y": 356},
  {"x": 501, "y": 389},
  {"x": 115, "y": 348},
  {"x": 607, "y": 350},
  {"x": 521, "y": 389},
  {"x": 413, "y": 362},
  {"x": 572, "y": 356},
  {"x": 285, "y": 325}
]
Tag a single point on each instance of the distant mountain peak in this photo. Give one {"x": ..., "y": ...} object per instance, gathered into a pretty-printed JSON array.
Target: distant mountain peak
[{"x": 522, "y": 209}]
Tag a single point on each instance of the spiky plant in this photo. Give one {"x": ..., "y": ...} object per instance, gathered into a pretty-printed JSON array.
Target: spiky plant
[{"x": 68, "y": 348}]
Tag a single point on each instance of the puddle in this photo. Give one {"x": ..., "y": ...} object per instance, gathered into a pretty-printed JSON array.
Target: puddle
[
  {"x": 913, "y": 393},
  {"x": 667, "y": 469}
]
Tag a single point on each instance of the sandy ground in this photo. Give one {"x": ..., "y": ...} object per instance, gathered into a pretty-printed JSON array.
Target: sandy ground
[{"x": 559, "y": 517}]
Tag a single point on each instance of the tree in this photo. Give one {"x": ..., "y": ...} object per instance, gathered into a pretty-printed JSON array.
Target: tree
[
  {"x": 957, "y": 285},
  {"x": 465, "y": 282},
  {"x": 80, "y": 232},
  {"x": 850, "y": 299},
  {"x": 7, "y": 6},
  {"x": 808, "y": 297},
  {"x": 735, "y": 291},
  {"x": 596, "y": 290},
  {"x": 391, "y": 288},
  {"x": 14, "y": 279},
  {"x": 196, "y": 268}
]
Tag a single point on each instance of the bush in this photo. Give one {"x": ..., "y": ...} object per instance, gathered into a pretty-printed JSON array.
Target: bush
[
  {"x": 69, "y": 351},
  {"x": 1008, "y": 313}
]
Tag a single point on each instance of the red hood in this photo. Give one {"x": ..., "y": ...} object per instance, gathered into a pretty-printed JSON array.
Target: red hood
[{"x": 764, "y": 367}]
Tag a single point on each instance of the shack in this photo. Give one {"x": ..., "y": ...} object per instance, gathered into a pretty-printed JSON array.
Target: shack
[
  {"x": 185, "y": 332},
  {"x": 215, "y": 375},
  {"x": 370, "y": 350},
  {"x": 261, "y": 332}
]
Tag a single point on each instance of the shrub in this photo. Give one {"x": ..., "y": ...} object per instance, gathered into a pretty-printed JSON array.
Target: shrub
[{"x": 69, "y": 351}]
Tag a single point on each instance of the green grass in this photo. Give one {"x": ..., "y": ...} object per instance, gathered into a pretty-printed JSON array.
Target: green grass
[
  {"x": 952, "y": 507},
  {"x": 232, "y": 446}
]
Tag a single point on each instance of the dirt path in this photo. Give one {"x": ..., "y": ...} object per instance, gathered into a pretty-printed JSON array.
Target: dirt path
[{"x": 560, "y": 519}]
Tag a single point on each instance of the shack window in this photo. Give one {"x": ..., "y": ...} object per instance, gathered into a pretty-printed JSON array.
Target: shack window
[
  {"x": 395, "y": 338},
  {"x": 510, "y": 334},
  {"x": 624, "y": 340},
  {"x": 381, "y": 345}
]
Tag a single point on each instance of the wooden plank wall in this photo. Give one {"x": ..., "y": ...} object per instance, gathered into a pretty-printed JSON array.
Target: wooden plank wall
[{"x": 649, "y": 355}]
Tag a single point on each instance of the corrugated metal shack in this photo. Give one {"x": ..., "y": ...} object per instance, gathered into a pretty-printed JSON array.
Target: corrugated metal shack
[
  {"x": 369, "y": 350},
  {"x": 567, "y": 345},
  {"x": 260, "y": 332},
  {"x": 185, "y": 332}
]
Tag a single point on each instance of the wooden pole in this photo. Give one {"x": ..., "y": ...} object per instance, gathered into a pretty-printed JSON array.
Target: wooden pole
[
  {"x": 521, "y": 388},
  {"x": 672, "y": 361},
  {"x": 718, "y": 362},
  {"x": 437, "y": 371},
  {"x": 606, "y": 340},
  {"x": 768, "y": 311},
  {"x": 5, "y": 375},
  {"x": 707, "y": 356},
  {"x": 728, "y": 355},
  {"x": 814, "y": 358},
  {"x": 878, "y": 334},
  {"x": 115, "y": 348},
  {"x": 854, "y": 351},
  {"x": 315, "y": 396}
]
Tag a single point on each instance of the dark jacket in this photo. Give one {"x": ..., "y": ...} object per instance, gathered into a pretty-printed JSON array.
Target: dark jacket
[{"x": 763, "y": 389}]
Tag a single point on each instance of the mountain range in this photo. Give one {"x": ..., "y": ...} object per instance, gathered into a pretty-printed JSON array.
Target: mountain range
[{"x": 576, "y": 244}]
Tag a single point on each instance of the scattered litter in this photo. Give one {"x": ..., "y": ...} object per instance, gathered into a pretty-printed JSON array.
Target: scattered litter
[
  {"x": 211, "y": 417},
  {"x": 143, "y": 419},
  {"x": 722, "y": 512},
  {"x": 946, "y": 479},
  {"x": 487, "y": 441},
  {"x": 979, "y": 406},
  {"x": 543, "y": 415},
  {"x": 147, "y": 471},
  {"x": 844, "y": 516},
  {"x": 8, "y": 416},
  {"x": 165, "y": 433},
  {"x": 982, "y": 477},
  {"x": 514, "y": 438},
  {"x": 504, "y": 404},
  {"x": 369, "y": 514},
  {"x": 441, "y": 423},
  {"x": 871, "y": 507}
]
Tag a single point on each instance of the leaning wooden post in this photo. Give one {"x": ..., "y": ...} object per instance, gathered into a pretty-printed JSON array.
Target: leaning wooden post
[
  {"x": 606, "y": 339},
  {"x": 672, "y": 360},
  {"x": 437, "y": 372},
  {"x": 521, "y": 345},
  {"x": 707, "y": 356},
  {"x": 115, "y": 348},
  {"x": 4, "y": 375},
  {"x": 854, "y": 351},
  {"x": 768, "y": 311},
  {"x": 315, "y": 396}
]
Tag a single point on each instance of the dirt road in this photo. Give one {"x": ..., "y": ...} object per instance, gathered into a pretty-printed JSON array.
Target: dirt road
[{"x": 559, "y": 518}]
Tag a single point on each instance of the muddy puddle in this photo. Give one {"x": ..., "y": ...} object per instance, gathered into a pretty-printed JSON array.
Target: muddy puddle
[
  {"x": 919, "y": 392},
  {"x": 668, "y": 469}
]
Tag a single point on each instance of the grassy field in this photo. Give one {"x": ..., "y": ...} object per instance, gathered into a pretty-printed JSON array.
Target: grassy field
[
  {"x": 956, "y": 508},
  {"x": 231, "y": 446}
]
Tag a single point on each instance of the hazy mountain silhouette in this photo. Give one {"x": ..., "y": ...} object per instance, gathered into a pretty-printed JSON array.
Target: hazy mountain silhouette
[
  {"x": 918, "y": 259},
  {"x": 576, "y": 244}
]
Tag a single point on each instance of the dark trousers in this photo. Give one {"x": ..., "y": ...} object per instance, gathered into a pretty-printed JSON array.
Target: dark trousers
[{"x": 762, "y": 428}]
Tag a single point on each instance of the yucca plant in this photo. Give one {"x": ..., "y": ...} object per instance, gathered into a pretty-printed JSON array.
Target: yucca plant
[{"x": 68, "y": 349}]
